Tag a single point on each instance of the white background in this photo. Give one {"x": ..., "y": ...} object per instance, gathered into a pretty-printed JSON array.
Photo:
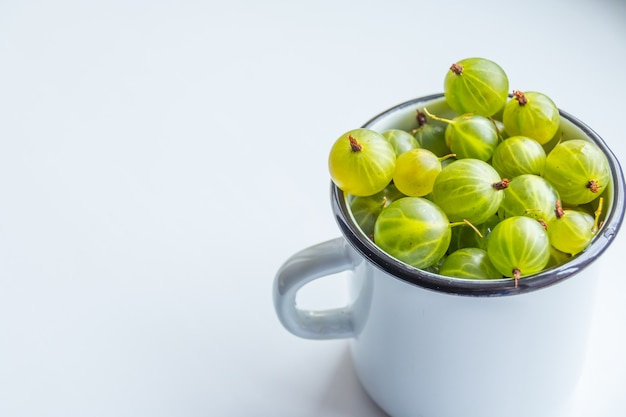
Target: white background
[{"x": 159, "y": 160}]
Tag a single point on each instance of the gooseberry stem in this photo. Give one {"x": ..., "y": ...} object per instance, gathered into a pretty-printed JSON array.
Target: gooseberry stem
[
  {"x": 354, "y": 144},
  {"x": 501, "y": 185},
  {"x": 558, "y": 210},
  {"x": 500, "y": 137},
  {"x": 443, "y": 158},
  {"x": 439, "y": 119},
  {"x": 457, "y": 68},
  {"x": 593, "y": 186},
  {"x": 520, "y": 97},
  {"x": 466, "y": 222},
  {"x": 597, "y": 213},
  {"x": 517, "y": 274}
]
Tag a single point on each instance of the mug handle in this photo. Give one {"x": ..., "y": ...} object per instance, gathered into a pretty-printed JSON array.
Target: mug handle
[{"x": 307, "y": 265}]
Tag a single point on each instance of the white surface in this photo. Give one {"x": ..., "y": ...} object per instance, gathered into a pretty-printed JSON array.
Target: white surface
[{"x": 159, "y": 160}]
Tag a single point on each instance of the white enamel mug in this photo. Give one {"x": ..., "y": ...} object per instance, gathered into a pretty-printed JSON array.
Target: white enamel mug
[{"x": 425, "y": 345}]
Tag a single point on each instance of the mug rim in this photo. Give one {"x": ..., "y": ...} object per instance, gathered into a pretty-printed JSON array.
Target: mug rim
[{"x": 494, "y": 287}]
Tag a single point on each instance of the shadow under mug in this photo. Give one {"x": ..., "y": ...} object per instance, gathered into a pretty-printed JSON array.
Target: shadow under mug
[{"x": 425, "y": 345}]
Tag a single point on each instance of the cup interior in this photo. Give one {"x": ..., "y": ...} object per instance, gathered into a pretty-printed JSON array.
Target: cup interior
[{"x": 402, "y": 117}]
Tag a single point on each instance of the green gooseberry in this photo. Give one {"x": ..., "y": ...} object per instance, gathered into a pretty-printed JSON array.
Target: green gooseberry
[
  {"x": 365, "y": 209},
  {"x": 531, "y": 114},
  {"x": 413, "y": 230},
  {"x": 519, "y": 246},
  {"x": 361, "y": 162},
  {"x": 572, "y": 231},
  {"x": 530, "y": 195},
  {"x": 416, "y": 171},
  {"x": 518, "y": 155},
  {"x": 401, "y": 140},
  {"x": 468, "y": 190},
  {"x": 469, "y": 263},
  {"x": 476, "y": 85},
  {"x": 470, "y": 136},
  {"x": 579, "y": 170}
]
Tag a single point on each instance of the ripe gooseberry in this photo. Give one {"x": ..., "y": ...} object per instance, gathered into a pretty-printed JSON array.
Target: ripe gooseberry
[
  {"x": 361, "y": 162},
  {"x": 366, "y": 209},
  {"x": 519, "y": 155},
  {"x": 468, "y": 189},
  {"x": 572, "y": 231},
  {"x": 401, "y": 140},
  {"x": 557, "y": 258},
  {"x": 413, "y": 230},
  {"x": 469, "y": 263},
  {"x": 578, "y": 170},
  {"x": 519, "y": 246},
  {"x": 531, "y": 114},
  {"x": 416, "y": 171},
  {"x": 530, "y": 195},
  {"x": 470, "y": 136},
  {"x": 476, "y": 85}
]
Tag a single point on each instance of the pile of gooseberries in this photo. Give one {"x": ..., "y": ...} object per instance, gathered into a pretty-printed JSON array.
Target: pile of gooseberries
[{"x": 493, "y": 192}]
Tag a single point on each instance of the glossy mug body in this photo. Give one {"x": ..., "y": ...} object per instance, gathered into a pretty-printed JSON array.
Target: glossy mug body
[{"x": 424, "y": 345}]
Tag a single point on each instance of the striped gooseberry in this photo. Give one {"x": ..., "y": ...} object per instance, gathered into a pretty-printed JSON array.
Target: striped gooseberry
[
  {"x": 361, "y": 162},
  {"x": 413, "y": 230},
  {"x": 469, "y": 263},
  {"x": 531, "y": 114},
  {"x": 518, "y": 155},
  {"x": 578, "y": 170},
  {"x": 416, "y": 171},
  {"x": 572, "y": 231},
  {"x": 470, "y": 136},
  {"x": 365, "y": 209},
  {"x": 401, "y": 140},
  {"x": 519, "y": 246},
  {"x": 530, "y": 195},
  {"x": 468, "y": 189},
  {"x": 476, "y": 85}
]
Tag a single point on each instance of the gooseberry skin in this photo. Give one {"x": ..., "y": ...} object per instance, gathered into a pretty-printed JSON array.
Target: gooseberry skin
[
  {"x": 472, "y": 136},
  {"x": 430, "y": 136},
  {"x": 469, "y": 263},
  {"x": 365, "y": 209},
  {"x": 535, "y": 116},
  {"x": 413, "y": 230},
  {"x": 363, "y": 171},
  {"x": 578, "y": 170},
  {"x": 572, "y": 232},
  {"x": 518, "y": 155},
  {"x": 530, "y": 195},
  {"x": 401, "y": 140},
  {"x": 476, "y": 85},
  {"x": 466, "y": 189},
  {"x": 557, "y": 258},
  {"x": 519, "y": 246},
  {"x": 416, "y": 171}
]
